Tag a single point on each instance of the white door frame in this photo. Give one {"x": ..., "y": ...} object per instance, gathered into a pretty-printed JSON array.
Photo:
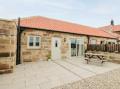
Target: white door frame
[{"x": 56, "y": 48}]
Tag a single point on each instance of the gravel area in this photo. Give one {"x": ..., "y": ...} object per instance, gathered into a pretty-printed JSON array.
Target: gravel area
[{"x": 108, "y": 80}]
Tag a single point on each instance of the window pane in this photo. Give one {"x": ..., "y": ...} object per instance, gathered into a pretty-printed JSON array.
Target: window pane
[
  {"x": 31, "y": 41},
  {"x": 37, "y": 41},
  {"x": 93, "y": 41},
  {"x": 73, "y": 43},
  {"x": 73, "y": 47},
  {"x": 56, "y": 43}
]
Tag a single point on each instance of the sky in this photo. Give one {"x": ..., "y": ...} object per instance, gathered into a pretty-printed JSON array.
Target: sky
[{"x": 95, "y": 13}]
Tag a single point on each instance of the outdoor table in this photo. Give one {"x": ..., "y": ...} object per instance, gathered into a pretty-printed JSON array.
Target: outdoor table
[{"x": 96, "y": 56}]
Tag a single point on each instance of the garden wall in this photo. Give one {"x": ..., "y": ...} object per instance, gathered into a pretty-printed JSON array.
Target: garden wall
[{"x": 8, "y": 33}]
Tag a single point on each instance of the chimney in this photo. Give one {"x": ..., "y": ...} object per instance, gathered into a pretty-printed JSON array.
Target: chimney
[{"x": 112, "y": 22}]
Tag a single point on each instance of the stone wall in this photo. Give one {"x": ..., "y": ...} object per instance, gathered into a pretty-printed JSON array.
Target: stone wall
[
  {"x": 8, "y": 33},
  {"x": 42, "y": 53},
  {"x": 45, "y": 49},
  {"x": 113, "y": 57}
]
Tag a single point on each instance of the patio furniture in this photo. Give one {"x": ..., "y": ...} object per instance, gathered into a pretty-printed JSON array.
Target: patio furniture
[{"x": 95, "y": 56}]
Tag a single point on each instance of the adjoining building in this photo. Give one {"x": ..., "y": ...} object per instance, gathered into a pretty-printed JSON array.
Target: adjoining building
[{"x": 112, "y": 29}]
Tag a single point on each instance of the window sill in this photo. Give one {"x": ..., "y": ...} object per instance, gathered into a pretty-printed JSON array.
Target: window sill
[{"x": 33, "y": 48}]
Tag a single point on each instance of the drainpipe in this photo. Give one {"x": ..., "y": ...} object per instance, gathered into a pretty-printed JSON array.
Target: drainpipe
[
  {"x": 88, "y": 38},
  {"x": 18, "y": 55}
]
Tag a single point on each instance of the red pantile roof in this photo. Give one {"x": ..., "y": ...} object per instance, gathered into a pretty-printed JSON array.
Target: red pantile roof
[
  {"x": 107, "y": 28},
  {"x": 110, "y": 27},
  {"x": 116, "y": 28},
  {"x": 111, "y": 30},
  {"x": 61, "y": 26}
]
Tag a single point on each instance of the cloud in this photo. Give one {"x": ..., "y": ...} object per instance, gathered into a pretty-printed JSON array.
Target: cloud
[
  {"x": 103, "y": 9},
  {"x": 89, "y": 12}
]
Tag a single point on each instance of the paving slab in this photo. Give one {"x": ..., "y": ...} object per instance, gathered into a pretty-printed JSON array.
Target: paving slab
[
  {"x": 78, "y": 71},
  {"x": 49, "y": 74},
  {"x": 93, "y": 67}
]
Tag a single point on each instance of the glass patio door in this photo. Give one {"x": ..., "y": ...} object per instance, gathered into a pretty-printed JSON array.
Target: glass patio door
[
  {"x": 73, "y": 47},
  {"x": 77, "y": 47}
]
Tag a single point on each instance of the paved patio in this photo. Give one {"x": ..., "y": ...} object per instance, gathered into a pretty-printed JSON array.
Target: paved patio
[{"x": 46, "y": 75}]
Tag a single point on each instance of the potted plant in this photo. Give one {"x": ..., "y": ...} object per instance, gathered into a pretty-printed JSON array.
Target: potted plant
[{"x": 49, "y": 56}]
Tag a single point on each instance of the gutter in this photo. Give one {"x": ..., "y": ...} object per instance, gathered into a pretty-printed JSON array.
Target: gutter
[{"x": 66, "y": 32}]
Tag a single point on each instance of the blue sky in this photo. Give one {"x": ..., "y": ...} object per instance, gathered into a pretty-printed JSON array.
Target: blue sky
[{"x": 94, "y": 13}]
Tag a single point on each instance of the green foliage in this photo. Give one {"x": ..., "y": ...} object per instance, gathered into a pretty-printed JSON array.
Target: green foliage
[{"x": 49, "y": 56}]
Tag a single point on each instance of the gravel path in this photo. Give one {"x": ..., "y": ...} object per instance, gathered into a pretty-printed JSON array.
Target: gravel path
[{"x": 109, "y": 80}]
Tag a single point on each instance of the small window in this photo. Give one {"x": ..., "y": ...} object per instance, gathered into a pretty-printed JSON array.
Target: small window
[
  {"x": 56, "y": 43},
  {"x": 102, "y": 42},
  {"x": 109, "y": 42},
  {"x": 93, "y": 41},
  {"x": 31, "y": 41},
  {"x": 37, "y": 43},
  {"x": 34, "y": 41}
]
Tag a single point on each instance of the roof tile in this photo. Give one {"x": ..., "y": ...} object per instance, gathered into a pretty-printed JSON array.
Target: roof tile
[{"x": 62, "y": 26}]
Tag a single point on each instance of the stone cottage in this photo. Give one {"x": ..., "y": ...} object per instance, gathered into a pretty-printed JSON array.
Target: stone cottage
[
  {"x": 44, "y": 38},
  {"x": 112, "y": 29}
]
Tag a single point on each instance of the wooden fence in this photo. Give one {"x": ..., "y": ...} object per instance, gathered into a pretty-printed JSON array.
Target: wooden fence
[{"x": 104, "y": 47}]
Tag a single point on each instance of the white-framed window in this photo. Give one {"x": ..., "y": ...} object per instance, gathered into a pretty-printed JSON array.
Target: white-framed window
[
  {"x": 93, "y": 41},
  {"x": 34, "y": 42}
]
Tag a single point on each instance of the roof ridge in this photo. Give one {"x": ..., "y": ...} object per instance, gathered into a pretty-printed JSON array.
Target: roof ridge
[
  {"x": 109, "y": 25},
  {"x": 60, "y": 20}
]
